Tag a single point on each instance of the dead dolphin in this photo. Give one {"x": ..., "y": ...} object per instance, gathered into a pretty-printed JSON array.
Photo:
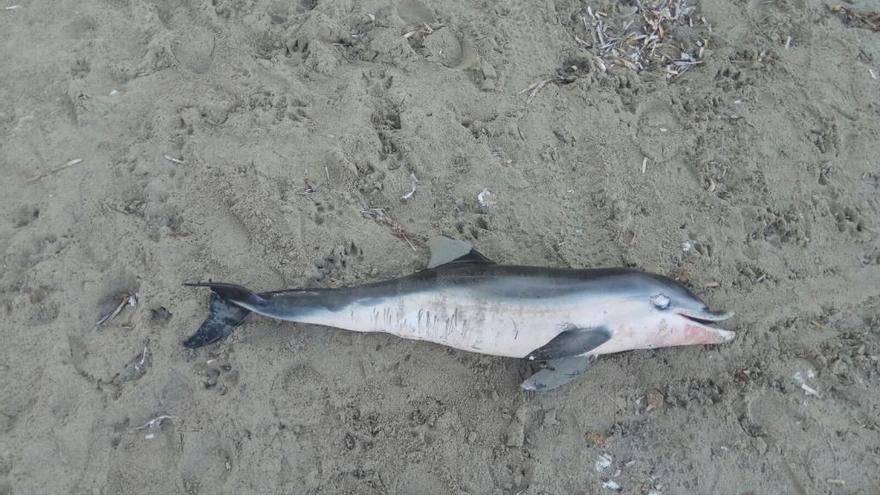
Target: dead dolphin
[{"x": 564, "y": 317}]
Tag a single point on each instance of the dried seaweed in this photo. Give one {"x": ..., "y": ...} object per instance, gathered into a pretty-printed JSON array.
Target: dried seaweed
[{"x": 642, "y": 35}]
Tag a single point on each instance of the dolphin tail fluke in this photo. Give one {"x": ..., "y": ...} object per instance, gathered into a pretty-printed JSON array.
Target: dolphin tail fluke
[
  {"x": 223, "y": 317},
  {"x": 235, "y": 294},
  {"x": 229, "y": 305}
]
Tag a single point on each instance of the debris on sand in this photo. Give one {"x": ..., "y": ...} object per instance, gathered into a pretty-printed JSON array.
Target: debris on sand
[
  {"x": 644, "y": 35},
  {"x": 379, "y": 216},
  {"x": 486, "y": 199},
  {"x": 157, "y": 421},
  {"x": 130, "y": 299},
  {"x": 654, "y": 399},
  {"x": 802, "y": 381},
  {"x": 136, "y": 368},
  {"x": 534, "y": 88},
  {"x": 852, "y": 18},
  {"x": 597, "y": 438},
  {"x": 413, "y": 182},
  {"x": 68, "y": 164},
  {"x": 611, "y": 485},
  {"x": 154, "y": 423},
  {"x": 659, "y": 35}
]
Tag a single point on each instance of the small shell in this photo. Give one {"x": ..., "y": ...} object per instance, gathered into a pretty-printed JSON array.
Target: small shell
[
  {"x": 611, "y": 485},
  {"x": 486, "y": 199}
]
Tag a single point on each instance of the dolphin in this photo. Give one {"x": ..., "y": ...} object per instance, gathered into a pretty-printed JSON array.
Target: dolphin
[{"x": 562, "y": 317}]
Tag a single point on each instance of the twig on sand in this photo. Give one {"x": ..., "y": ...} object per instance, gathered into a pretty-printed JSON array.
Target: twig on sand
[
  {"x": 379, "y": 216},
  {"x": 130, "y": 299},
  {"x": 71, "y": 163},
  {"x": 397, "y": 231},
  {"x": 799, "y": 377},
  {"x": 375, "y": 214},
  {"x": 810, "y": 390},
  {"x": 173, "y": 160},
  {"x": 535, "y": 88},
  {"x": 422, "y": 30},
  {"x": 413, "y": 182},
  {"x": 139, "y": 366},
  {"x": 157, "y": 421}
]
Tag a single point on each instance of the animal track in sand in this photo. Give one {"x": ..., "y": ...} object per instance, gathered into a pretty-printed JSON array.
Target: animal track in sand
[
  {"x": 731, "y": 79},
  {"x": 658, "y": 130},
  {"x": 777, "y": 228},
  {"x": 195, "y": 49},
  {"x": 302, "y": 389},
  {"x": 474, "y": 227},
  {"x": 270, "y": 107},
  {"x": 218, "y": 376},
  {"x": 386, "y": 120},
  {"x": 25, "y": 215},
  {"x": 338, "y": 264}
]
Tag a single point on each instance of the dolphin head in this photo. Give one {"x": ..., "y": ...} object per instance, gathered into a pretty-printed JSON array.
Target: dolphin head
[
  {"x": 681, "y": 318},
  {"x": 660, "y": 312}
]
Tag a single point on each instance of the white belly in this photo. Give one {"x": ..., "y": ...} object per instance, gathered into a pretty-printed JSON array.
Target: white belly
[{"x": 507, "y": 328}]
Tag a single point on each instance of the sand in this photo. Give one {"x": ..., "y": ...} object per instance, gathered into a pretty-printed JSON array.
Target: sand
[{"x": 243, "y": 140}]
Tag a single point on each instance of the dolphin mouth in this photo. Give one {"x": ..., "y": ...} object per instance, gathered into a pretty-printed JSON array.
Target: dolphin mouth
[
  {"x": 706, "y": 316},
  {"x": 701, "y": 328}
]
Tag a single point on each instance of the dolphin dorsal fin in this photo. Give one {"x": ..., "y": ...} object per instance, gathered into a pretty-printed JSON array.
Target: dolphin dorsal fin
[{"x": 445, "y": 250}]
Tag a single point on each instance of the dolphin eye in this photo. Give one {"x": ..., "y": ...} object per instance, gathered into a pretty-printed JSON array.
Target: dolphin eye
[{"x": 660, "y": 301}]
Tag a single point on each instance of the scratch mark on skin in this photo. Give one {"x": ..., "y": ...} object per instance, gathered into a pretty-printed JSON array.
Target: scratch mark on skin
[{"x": 427, "y": 322}]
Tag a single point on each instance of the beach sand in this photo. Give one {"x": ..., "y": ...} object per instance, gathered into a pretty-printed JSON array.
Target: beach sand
[{"x": 271, "y": 143}]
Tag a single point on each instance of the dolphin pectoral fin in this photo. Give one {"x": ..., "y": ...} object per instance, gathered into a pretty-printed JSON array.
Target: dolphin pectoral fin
[
  {"x": 223, "y": 317},
  {"x": 445, "y": 250},
  {"x": 558, "y": 372},
  {"x": 571, "y": 342}
]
